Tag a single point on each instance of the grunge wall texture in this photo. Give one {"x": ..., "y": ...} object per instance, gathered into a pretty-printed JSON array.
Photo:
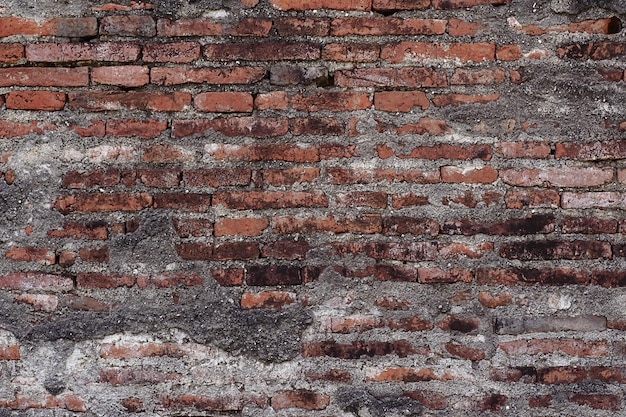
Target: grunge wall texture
[{"x": 313, "y": 208}]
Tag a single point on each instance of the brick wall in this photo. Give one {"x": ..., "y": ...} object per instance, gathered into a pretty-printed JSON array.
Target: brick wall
[{"x": 313, "y": 208}]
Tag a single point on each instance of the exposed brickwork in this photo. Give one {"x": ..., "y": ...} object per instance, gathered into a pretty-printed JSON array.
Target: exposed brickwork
[{"x": 312, "y": 208}]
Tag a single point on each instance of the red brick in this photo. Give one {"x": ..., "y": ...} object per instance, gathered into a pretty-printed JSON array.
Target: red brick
[
  {"x": 367, "y": 223},
  {"x": 425, "y": 125},
  {"x": 571, "y": 374},
  {"x": 557, "y": 177},
  {"x": 399, "y": 251},
  {"x": 35, "y": 100},
  {"x": 403, "y": 375},
  {"x": 369, "y": 199},
  {"x": 348, "y": 176},
  {"x": 162, "y": 178},
  {"x": 394, "y": 5},
  {"x": 249, "y": 27},
  {"x": 523, "y": 149},
  {"x": 30, "y": 281},
  {"x": 274, "y": 300},
  {"x": 222, "y": 252},
  {"x": 533, "y": 224},
  {"x": 272, "y": 275},
  {"x": 508, "y": 52},
  {"x": 517, "y": 199},
  {"x": 317, "y": 126},
  {"x": 493, "y": 402},
  {"x": 166, "y": 153},
  {"x": 356, "y": 350},
  {"x": 457, "y": 250},
  {"x": 90, "y": 230},
  {"x": 420, "y": 52},
  {"x": 493, "y": 301},
  {"x": 332, "y": 151},
  {"x": 460, "y": 99},
  {"x": 387, "y": 26},
  {"x": 304, "y": 399},
  {"x": 289, "y": 26},
  {"x": 264, "y": 152},
  {"x": 131, "y": 376},
  {"x": 400, "y": 101},
  {"x": 9, "y": 353},
  {"x": 592, "y": 50},
  {"x": 11, "y": 53},
  {"x": 290, "y": 176},
  {"x": 84, "y": 180},
  {"x": 31, "y": 254},
  {"x": 217, "y": 177},
  {"x": 428, "y": 399},
  {"x": 464, "y": 76},
  {"x": 400, "y": 225},
  {"x": 598, "y": 401},
  {"x": 228, "y": 277},
  {"x": 436, "y": 275},
  {"x": 223, "y": 102},
  {"x": 98, "y": 255},
  {"x": 123, "y": 76},
  {"x": 588, "y": 225},
  {"x": 240, "y": 227},
  {"x": 350, "y": 52},
  {"x": 594, "y": 151},
  {"x": 15, "y": 129},
  {"x": 275, "y": 100},
  {"x": 96, "y": 128},
  {"x": 558, "y": 276},
  {"x": 141, "y": 128},
  {"x": 188, "y": 27},
  {"x": 465, "y": 352},
  {"x": 83, "y": 52},
  {"x": 193, "y": 227},
  {"x": 462, "y": 4},
  {"x": 44, "y": 77},
  {"x": 267, "y": 51},
  {"x": 572, "y": 347},
  {"x": 611, "y": 74},
  {"x": 258, "y": 200},
  {"x": 219, "y": 403},
  {"x": 72, "y": 27},
  {"x": 146, "y": 101},
  {"x": 444, "y": 151},
  {"x": 128, "y": 25},
  {"x": 96, "y": 202},
  {"x": 348, "y": 5},
  {"x": 169, "y": 280},
  {"x": 550, "y": 249},
  {"x": 602, "y": 26},
  {"x": 217, "y": 76},
  {"x": 605, "y": 199},
  {"x": 334, "y": 101},
  {"x": 179, "y": 52},
  {"x": 459, "y": 324},
  {"x": 285, "y": 249},
  {"x": 234, "y": 126},
  {"x": 469, "y": 175},
  {"x": 194, "y": 202},
  {"x": 413, "y": 77},
  {"x": 458, "y": 27},
  {"x": 102, "y": 281}
]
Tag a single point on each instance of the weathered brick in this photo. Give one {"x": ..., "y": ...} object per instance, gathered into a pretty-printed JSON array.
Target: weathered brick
[
  {"x": 455, "y": 100},
  {"x": 128, "y": 25},
  {"x": 465, "y": 352},
  {"x": 366, "y": 223},
  {"x": 31, "y": 254},
  {"x": 194, "y": 202},
  {"x": 141, "y": 128},
  {"x": 267, "y": 51},
  {"x": 304, "y": 399},
  {"x": 272, "y": 275},
  {"x": 217, "y": 177},
  {"x": 11, "y": 53},
  {"x": 558, "y": 276},
  {"x": 576, "y": 249},
  {"x": 400, "y": 225},
  {"x": 442, "y": 151},
  {"x": 249, "y": 27},
  {"x": 592, "y": 50},
  {"x": 290, "y": 176},
  {"x": 102, "y": 281},
  {"x": 462, "y": 4},
  {"x": 193, "y": 227},
  {"x": 221, "y": 252},
  {"x": 274, "y": 300},
  {"x": 289, "y": 26},
  {"x": 414, "y": 77},
  {"x": 35, "y": 100},
  {"x": 605, "y": 199},
  {"x": 588, "y": 225},
  {"x": 161, "y": 178},
  {"x": 350, "y": 52},
  {"x": 493, "y": 301},
  {"x": 598, "y": 401},
  {"x": 285, "y": 249},
  {"x": 334, "y": 101},
  {"x": 458, "y": 27},
  {"x": 517, "y": 199},
  {"x": 595, "y": 151},
  {"x": 387, "y": 26},
  {"x": 258, "y": 200},
  {"x": 240, "y": 227},
  {"x": 349, "y": 176},
  {"x": 520, "y": 325},
  {"x": 455, "y": 250},
  {"x": 400, "y": 251},
  {"x": 98, "y": 255},
  {"x": 90, "y": 230},
  {"x": 179, "y": 52},
  {"x": 217, "y": 76},
  {"x": 161, "y": 154},
  {"x": 316, "y": 126},
  {"x": 459, "y": 324},
  {"x": 233, "y": 126},
  {"x": 225, "y": 102},
  {"x": 538, "y": 223},
  {"x": 291, "y": 75},
  {"x": 170, "y": 279},
  {"x": 369, "y": 199},
  {"x": 100, "y": 202},
  {"x": 215, "y": 403},
  {"x": 395, "y": 5},
  {"x": 557, "y": 177},
  {"x": 357, "y": 5},
  {"x": 146, "y": 101},
  {"x": 356, "y": 350},
  {"x": 83, "y": 52},
  {"x": 429, "y": 399},
  {"x": 523, "y": 149},
  {"x": 572, "y": 374},
  {"x": 44, "y": 77},
  {"x": 228, "y": 277},
  {"x": 400, "y": 101},
  {"x": 471, "y": 175},
  {"x": 402, "y": 375},
  {"x": 572, "y": 347},
  {"x": 123, "y": 76},
  {"x": 188, "y": 27},
  {"x": 436, "y": 275},
  {"x": 421, "y": 51}
]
